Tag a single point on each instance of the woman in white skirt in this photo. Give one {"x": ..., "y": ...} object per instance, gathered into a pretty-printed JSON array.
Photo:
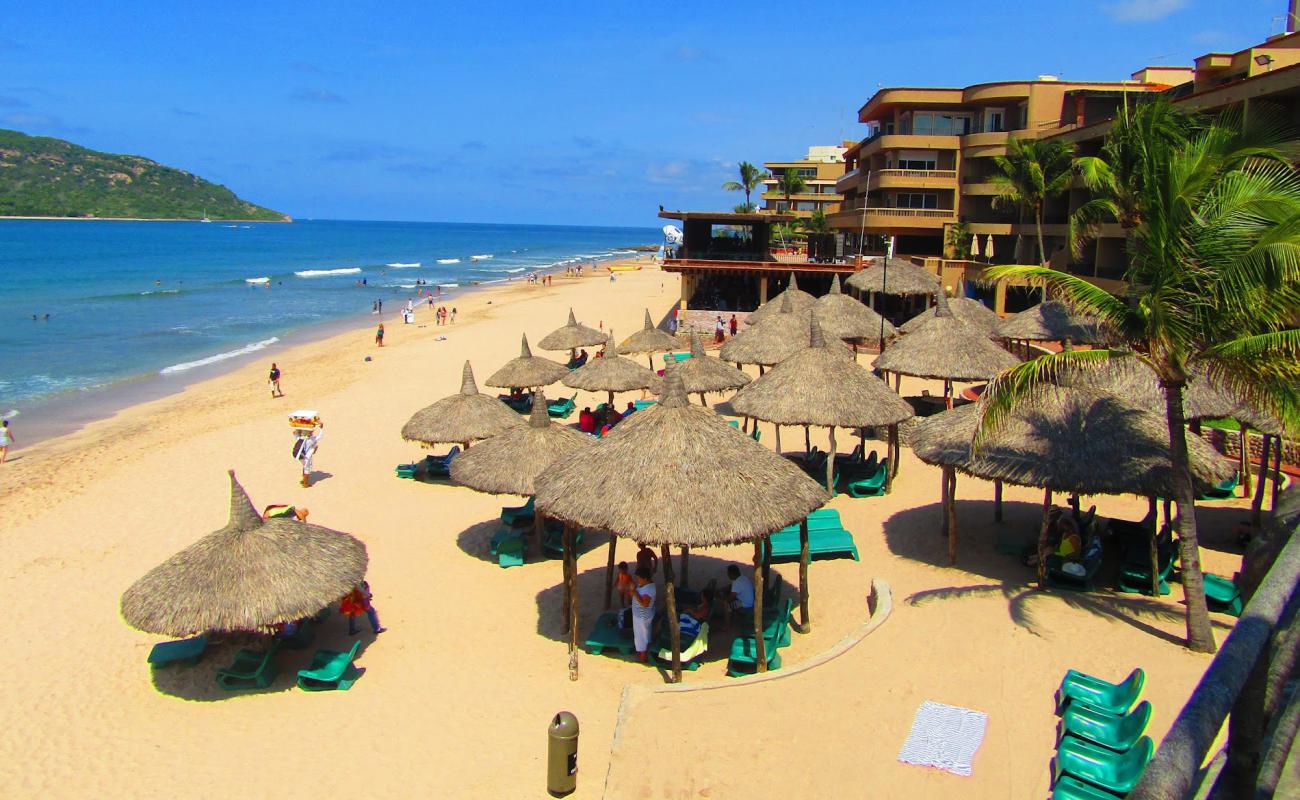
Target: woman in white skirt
[{"x": 643, "y": 612}]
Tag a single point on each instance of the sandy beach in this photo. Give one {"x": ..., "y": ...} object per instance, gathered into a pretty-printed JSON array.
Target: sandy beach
[{"x": 456, "y": 695}]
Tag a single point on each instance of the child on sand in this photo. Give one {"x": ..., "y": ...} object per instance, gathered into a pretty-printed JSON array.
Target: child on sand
[
  {"x": 624, "y": 585},
  {"x": 6, "y": 439},
  {"x": 379, "y": 335},
  {"x": 356, "y": 603}
]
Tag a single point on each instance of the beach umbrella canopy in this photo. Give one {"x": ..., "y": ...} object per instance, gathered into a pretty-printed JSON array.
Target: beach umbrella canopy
[
  {"x": 946, "y": 348},
  {"x": 611, "y": 373},
  {"x": 528, "y": 371},
  {"x": 247, "y": 576},
  {"x": 799, "y": 300},
  {"x": 972, "y": 312},
  {"x": 571, "y": 336},
  {"x": 704, "y": 373},
  {"x": 903, "y": 278},
  {"x": 821, "y": 386},
  {"x": 648, "y": 340},
  {"x": 774, "y": 340},
  {"x": 678, "y": 474},
  {"x": 843, "y": 317},
  {"x": 510, "y": 461},
  {"x": 1080, "y": 440},
  {"x": 1048, "y": 322},
  {"x": 463, "y": 417}
]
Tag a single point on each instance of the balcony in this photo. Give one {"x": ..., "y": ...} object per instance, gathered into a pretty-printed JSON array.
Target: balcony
[
  {"x": 890, "y": 219},
  {"x": 913, "y": 179},
  {"x": 848, "y": 180},
  {"x": 898, "y": 141}
]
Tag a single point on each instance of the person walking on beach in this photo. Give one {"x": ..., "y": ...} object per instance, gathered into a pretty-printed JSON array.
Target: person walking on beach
[
  {"x": 719, "y": 331},
  {"x": 733, "y": 325},
  {"x": 306, "y": 449},
  {"x": 379, "y": 335},
  {"x": 6, "y": 439},
  {"x": 356, "y": 603},
  {"x": 274, "y": 380}
]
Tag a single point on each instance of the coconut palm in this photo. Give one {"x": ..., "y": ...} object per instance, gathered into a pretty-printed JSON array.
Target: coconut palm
[
  {"x": 1032, "y": 171},
  {"x": 1213, "y": 283},
  {"x": 816, "y": 223},
  {"x": 791, "y": 182},
  {"x": 751, "y": 177}
]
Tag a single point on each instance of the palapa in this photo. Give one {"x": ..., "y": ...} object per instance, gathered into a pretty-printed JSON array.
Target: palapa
[
  {"x": 946, "y": 349},
  {"x": 777, "y": 338},
  {"x": 247, "y": 576},
  {"x": 1048, "y": 322},
  {"x": 799, "y": 300},
  {"x": 510, "y": 461},
  {"x": 528, "y": 371},
  {"x": 902, "y": 278},
  {"x": 461, "y": 418},
  {"x": 843, "y": 317},
  {"x": 705, "y": 373},
  {"x": 571, "y": 336},
  {"x": 972, "y": 312},
  {"x": 611, "y": 373},
  {"x": 678, "y": 474},
  {"x": 649, "y": 340}
]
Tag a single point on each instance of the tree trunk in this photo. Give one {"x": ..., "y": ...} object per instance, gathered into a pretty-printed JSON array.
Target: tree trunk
[
  {"x": 609, "y": 571},
  {"x": 1038, "y": 221},
  {"x": 1200, "y": 637},
  {"x": 703, "y": 402},
  {"x": 1043, "y": 531},
  {"x": 997, "y": 501},
  {"x": 1243, "y": 459},
  {"x": 760, "y": 646},
  {"x": 805, "y": 619},
  {"x": 1154, "y": 550},
  {"x": 571, "y": 555},
  {"x": 674, "y": 630},
  {"x": 686, "y": 565},
  {"x": 830, "y": 465},
  {"x": 1257, "y": 505}
]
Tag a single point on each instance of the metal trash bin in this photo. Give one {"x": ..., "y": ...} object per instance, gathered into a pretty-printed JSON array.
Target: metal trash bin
[{"x": 562, "y": 755}]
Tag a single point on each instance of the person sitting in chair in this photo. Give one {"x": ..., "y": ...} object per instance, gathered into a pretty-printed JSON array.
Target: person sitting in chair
[{"x": 740, "y": 595}]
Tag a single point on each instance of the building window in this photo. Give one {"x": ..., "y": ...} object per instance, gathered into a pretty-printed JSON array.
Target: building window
[
  {"x": 807, "y": 172},
  {"x": 916, "y": 200},
  {"x": 914, "y": 163},
  {"x": 994, "y": 121}
]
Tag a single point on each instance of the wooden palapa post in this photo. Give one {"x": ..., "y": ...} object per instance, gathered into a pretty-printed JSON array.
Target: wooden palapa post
[
  {"x": 997, "y": 501},
  {"x": 674, "y": 624},
  {"x": 1277, "y": 471},
  {"x": 1243, "y": 457},
  {"x": 952, "y": 515},
  {"x": 609, "y": 571},
  {"x": 686, "y": 565},
  {"x": 760, "y": 646},
  {"x": 571, "y": 555},
  {"x": 777, "y": 428},
  {"x": 830, "y": 465},
  {"x": 568, "y": 579},
  {"x": 1043, "y": 530},
  {"x": 943, "y": 501},
  {"x": 1257, "y": 504},
  {"x": 805, "y": 618},
  {"x": 1154, "y": 548}
]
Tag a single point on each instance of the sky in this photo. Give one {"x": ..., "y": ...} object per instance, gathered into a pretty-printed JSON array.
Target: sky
[{"x": 550, "y": 113}]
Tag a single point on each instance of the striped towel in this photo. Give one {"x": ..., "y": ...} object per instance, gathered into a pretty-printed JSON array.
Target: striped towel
[{"x": 945, "y": 737}]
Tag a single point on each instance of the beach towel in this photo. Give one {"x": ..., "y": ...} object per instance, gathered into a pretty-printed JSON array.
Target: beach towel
[{"x": 945, "y": 737}]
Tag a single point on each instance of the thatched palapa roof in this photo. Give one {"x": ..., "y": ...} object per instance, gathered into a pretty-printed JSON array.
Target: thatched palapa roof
[
  {"x": 1069, "y": 440},
  {"x": 611, "y": 373},
  {"x": 902, "y": 278},
  {"x": 971, "y": 312},
  {"x": 799, "y": 301},
  {"x": 571, "y": 336},
  {"x": 246, "y": 576},
  {"x": 704, "y": 373},
  {"x": 946, "y": 348},
  {"x": 1048, "y": 322},
  {"x": 463, "y": 417},
  {"x": 843, "y": 317},
  {"x": 508, "y": 463},
  {"x": 771, "y": 341},
  {"x": 821, "y": 386},
  {"x": 528, "y": 371},
  {"x": 649, "y": 340},
  {"x": 1203, "y": 397},
  {"x": 678, "y": 474}
]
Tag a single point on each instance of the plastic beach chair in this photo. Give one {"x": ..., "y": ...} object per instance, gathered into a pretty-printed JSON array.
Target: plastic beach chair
[
  {"x": 1068, "y": 788},
  {"x": 182, "y": 651},
  {"x": 330, "y": 670},
  {"x": 1102, "y": 768},
  {"x": 1223, "y": 595},
  {"x": 873, "y": 485},
  {"x": 744, "y": 652},
  {"x": 251, "y": 669},
  {"x": 517, "y": 515},
  {"x": 1222, "y": 491},
  {"x": 1110, "y": 731},
  {"x": 1114, "y": 698},
  {"x": 606, "y": 635}
]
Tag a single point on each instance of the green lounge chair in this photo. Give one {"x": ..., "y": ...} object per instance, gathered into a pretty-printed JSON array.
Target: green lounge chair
[
  {"x": 1222, "y": 491},
  {"x": 517, "y": 515},
  {"x": 1068, "y": 788},
  {"x": 1109, "y": 731},
  {"x": 510, "y": 553},
  {"x": 1113, "y": 698},
  {"x": 822, "y": 541},
  {"x": 182, "y": 651},
  {"x": 330, "y": 670},
  {"x": 503, "y": 535},
  {"x": 1058, "y": 578},
  {"x": 755, "y": 435},
  {"x": 734, "y": 423},
  {"x": 744, "y": 651},
  {"x": 1135, "y": 573},
  {"x": 521, "y": 404},
  {"x": 1102, "y": 768},
  {"x": 871, "y": 486},
  {"x": 561, "y": 409},
  {"x": 641, "y": 405},
  {"x": 606, "y": 635},
  {"x": 553, "y": 540},
  {"x": 1222, "y": 595},
  {"x": 251, "y": 669}
]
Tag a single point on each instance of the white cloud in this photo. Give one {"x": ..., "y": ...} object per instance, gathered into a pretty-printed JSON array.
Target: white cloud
[{"x": 1142, "y": 10}]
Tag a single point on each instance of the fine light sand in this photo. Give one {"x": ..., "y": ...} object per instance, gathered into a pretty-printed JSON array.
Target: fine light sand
[{"x": 456, "y": 696}]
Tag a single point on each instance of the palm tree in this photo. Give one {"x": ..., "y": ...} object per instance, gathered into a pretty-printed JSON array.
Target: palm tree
[
  {"x": 751, "y": 177},
  {"x": 791, "y": 182},
  {"x": 744, "y": 208},
  {"x": 816, "y": 222},
  {"x": 1213, "y": 280},
  {"x": 1032, "y": 171}
]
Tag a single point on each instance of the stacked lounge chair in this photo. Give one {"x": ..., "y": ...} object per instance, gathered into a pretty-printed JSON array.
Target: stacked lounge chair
[
  {"x": 826, "y": 537},
  {"x": 1101, "y": 750}
]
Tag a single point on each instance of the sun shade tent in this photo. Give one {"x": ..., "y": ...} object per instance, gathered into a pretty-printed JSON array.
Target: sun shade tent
[
  {"x": 527, "y": 371},
  {"x": 611, "y": 373},
  {"x": 460, "y": 418},
  {"x": 648, "y": 340}
]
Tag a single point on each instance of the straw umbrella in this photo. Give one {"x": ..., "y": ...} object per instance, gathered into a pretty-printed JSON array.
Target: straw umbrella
[
  {"x": 571, "y": 336},
  {"x": 247, "y": 576},
  {"x": 843, "y": 317},
  {"x": 1048, "y": 322},
  {"x": 704, "y": 373},
  {"x": 902, "y": 278},
  {"x": 799, "y": 300},
  {"x": 710, "y": 485},
  {"x": 611, "y": 373},
  {"x": 460, "y": 418},
  {"x": 527, "y": 371},
  {"x": 820, "y": 386},
  {"x": 649, "y": 340},
  {"x": 1079, "y": 440},
  {"x": 509, "y": 462},
  {"x": 972, "y": 312}
]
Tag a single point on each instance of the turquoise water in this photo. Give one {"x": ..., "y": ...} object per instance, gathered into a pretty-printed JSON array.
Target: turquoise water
[{"x": 128, "y": 299}]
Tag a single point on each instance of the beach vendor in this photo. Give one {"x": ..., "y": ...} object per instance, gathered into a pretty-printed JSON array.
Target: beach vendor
[
  {"x": 305, "y": 449},
  {"x": 356, "y": 603},
  {"x": 643, "y": 612},
  {"x": 274, "y": 380}
]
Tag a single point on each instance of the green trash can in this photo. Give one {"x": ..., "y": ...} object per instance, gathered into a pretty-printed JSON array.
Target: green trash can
[{"x": 562, "y": 755}]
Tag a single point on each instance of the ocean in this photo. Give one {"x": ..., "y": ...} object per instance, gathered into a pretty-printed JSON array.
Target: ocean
[{"x": 129, "y": 300}]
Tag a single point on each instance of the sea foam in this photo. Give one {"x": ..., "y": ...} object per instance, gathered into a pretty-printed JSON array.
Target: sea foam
[
  {"x": 202, "y": 362},
  {"x": 400, "y": 265},
  {"x": 316, "y": 273}
]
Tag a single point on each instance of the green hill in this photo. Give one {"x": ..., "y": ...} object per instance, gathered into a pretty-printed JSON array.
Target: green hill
[{"x": 45, "y": 177}]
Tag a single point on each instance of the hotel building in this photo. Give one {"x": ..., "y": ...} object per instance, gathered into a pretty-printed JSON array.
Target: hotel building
[{"x": 820, "y": 170}]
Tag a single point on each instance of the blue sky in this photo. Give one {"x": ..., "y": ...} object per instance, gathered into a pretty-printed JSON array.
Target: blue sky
[{"x": 559, "y": 113}]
